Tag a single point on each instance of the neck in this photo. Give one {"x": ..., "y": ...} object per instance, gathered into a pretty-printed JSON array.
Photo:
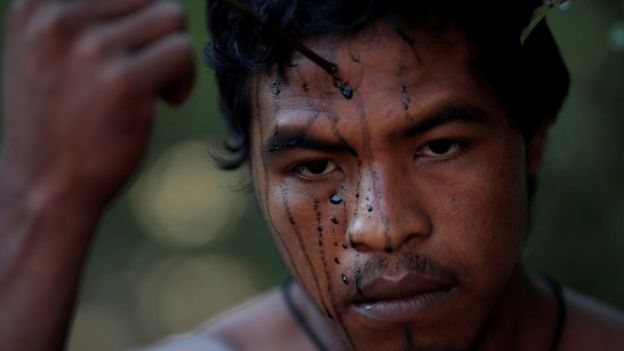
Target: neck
[{"x": 525, "y": 316}]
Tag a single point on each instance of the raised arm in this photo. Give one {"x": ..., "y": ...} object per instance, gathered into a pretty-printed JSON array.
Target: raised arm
[{"x": 80, "y": 80}]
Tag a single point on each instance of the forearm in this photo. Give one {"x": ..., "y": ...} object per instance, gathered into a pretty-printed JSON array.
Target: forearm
[{"x": 43, "y": 243}]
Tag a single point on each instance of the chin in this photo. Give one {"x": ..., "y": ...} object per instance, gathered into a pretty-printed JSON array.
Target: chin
[{"x": 449, "y": 323}]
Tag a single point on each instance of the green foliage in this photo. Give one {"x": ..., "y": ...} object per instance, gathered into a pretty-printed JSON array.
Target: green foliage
[{"x": 537, "y": 17}]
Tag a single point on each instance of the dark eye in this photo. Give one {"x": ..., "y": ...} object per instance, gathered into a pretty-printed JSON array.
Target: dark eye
[
  {"x": 315, "y": 169},
  {"x": 440, "y": 148}
]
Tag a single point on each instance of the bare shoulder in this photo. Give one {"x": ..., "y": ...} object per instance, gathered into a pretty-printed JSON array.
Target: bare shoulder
[
  {"x": 263, "y": 323},
  {"x": 592, "y": 325},
  {"x": 190, "y": 342}
]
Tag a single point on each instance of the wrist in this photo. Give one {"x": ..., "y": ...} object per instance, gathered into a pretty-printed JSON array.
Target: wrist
[{"x": 42, "y": 194}]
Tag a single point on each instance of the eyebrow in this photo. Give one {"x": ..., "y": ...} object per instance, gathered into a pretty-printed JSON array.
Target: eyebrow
[
  {"x": 453, "y": 112},
  {"x": 287, "y": 140}
]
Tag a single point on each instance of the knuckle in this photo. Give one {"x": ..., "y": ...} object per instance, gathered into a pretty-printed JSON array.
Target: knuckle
[
  {"x": 181, "y": 45},
  {"x": 56, "y": 19},
  {"x": 117, "y": 82},
  {"x": 182, "y": 41},
  {"x": 173, "y": 8},
  {"x": 48, "y": 21},
  {"x": 174, "y": 12},
  {"x": 14, "y": 16},
  {"x": 91, "y": 46},
  {"x": 52, "y": 20}
]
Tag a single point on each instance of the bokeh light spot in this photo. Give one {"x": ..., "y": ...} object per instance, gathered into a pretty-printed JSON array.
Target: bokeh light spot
[
  {"x": 183, "y": 201},
  {"x": 101, "y": 326},
  {"x": 178, "y": 293},
  {"x": 616, "y": 36}
]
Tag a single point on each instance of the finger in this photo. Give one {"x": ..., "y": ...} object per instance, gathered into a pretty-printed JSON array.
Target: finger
[
  {"x": 165, "y": 68},
  {"x": 22, "y": 7},
  {"x": 38, "y": 13},
  {"x": 53, "y": 20},
  {"x": 111, "y": 9},
  {"x": 178, "y": 91},
  {"x": 90, "y": 9},
  {"x": 145, "y": 26}
]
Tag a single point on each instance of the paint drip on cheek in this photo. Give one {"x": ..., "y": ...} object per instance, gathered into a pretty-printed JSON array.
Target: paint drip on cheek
[
  {"x": 345, "y": 89},
  {"x": 336, "y": 198},
  {"x": 405, "y": 99}
]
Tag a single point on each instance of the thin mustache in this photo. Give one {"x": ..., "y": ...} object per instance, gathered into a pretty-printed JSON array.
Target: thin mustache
[{"x": 378, "y": 267}]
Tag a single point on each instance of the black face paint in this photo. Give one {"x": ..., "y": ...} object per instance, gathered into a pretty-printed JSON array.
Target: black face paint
[
  {"x": 358, "y": 283},
  {"x": 335, "y": 220},
  {"x": 301, "y": 242},
  {"x": 336, "y": 198},
  {"x": 319, "y": 228},
  {"x": 276, "y": 86},
  {"x": 346, "y": 218},
  {"x": 304, "y": 84},
  {"x": 408, "y": 341},
  {"x": 405, "y": 97},
  {"x": 276, "y": 90},
  {"x": 256, "y": 117},
  {"x": 366, "y": 137},
  {"x": 329, "y": 281},
  {"x": 345, "y": 89}
]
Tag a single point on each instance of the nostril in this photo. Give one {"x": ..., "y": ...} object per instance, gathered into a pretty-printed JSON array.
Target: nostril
[
  {"x": 410, "y": 237},
  {"x": 390, "y": 249}
]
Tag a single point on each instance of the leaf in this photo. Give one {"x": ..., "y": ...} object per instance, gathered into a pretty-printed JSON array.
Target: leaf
[{"x": 539, "y": 14}]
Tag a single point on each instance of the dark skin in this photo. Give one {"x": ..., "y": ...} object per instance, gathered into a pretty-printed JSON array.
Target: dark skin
[{"x": 418, "y": 178}]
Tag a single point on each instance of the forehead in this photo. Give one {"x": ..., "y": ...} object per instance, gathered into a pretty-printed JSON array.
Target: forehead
[{"x": 391, "y": 76}]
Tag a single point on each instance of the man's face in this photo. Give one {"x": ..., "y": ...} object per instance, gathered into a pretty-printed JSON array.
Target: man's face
[{"x": 400, "y": 211}]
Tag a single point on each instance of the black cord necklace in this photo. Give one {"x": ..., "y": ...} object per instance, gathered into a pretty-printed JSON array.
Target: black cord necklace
[
  {"x": 294, "y": 312},
  {"x": 562, "y": 312}
]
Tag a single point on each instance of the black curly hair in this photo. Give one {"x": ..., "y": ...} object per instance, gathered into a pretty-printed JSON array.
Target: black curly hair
[{"x": 531, "y": 79}]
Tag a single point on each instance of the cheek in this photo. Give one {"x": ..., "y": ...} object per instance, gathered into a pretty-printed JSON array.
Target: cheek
[
  {"x": 487, "y": 215},
  {"x": 302, "y": 228}
]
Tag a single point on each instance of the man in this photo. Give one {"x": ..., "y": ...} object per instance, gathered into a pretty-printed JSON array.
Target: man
[{"x": 391, "y": 144}]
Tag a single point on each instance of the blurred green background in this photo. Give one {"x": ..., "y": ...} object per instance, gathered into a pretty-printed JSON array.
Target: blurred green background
[{"x": 179, "y": 246}]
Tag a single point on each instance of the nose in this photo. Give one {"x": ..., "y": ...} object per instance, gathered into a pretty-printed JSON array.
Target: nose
[{"x": 388, "y": 214}]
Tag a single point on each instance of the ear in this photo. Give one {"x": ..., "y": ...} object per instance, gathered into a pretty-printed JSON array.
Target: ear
[{"x": 535, "y": 148}]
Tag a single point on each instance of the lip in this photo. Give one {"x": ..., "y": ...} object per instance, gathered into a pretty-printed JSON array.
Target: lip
[{"x": 408, "y": 297}]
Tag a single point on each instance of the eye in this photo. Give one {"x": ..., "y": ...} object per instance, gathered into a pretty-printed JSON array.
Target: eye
[
  {"x": 440, "y": 148},
  {"x": 314, "y": 169}
]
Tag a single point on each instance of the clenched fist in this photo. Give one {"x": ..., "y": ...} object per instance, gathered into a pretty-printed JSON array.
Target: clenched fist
[{"x": 81, "y": 78}]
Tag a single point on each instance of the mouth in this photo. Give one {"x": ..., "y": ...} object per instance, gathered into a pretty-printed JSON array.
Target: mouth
[{"x": 410, "y": 297}]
